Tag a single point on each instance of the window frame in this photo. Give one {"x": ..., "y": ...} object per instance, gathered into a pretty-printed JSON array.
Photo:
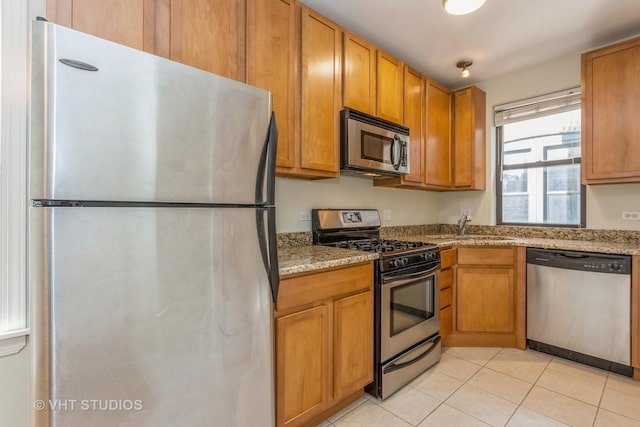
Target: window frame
[{"x": 501, "y": 167}]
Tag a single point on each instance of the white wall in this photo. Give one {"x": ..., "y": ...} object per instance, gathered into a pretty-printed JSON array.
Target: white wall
[
  {"x": 408, "y": 207},
  {"x": 604, "y": 203},
  {"x": 15, "y": 380}
]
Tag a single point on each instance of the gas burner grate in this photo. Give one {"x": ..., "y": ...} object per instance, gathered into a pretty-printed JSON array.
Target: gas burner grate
[{"x": 378, "y": 245}]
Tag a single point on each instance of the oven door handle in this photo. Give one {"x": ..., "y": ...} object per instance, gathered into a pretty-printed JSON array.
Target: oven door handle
[
  {"x": 395, "y": 367},
  {"x": 405, "y": 278}
]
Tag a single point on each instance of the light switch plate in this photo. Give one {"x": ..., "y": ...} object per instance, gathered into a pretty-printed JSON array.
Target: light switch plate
[
  {"x": 304, "y": 216},
  {"x": 386, "y": 214},
  {"x": 631, "y": 215}
]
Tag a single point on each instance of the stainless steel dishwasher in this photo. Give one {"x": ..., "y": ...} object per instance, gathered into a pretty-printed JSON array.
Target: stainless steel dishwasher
[{"x": 579, "y": 307}]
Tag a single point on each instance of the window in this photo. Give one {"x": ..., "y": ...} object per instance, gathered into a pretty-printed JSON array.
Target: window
[{"x": 539, "y": 161}]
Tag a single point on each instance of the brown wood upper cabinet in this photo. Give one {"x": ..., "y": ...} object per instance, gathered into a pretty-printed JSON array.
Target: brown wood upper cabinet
[
  {"x": 290, "y": 48},
  {"x": 128, "y": 22},
  {"x": 373, "y": 80},
  {"x": 273, "y": 63},
  {"x": 359, "y": 74},
  {"x": 206, "y": 34},
  {"x": 610, "y": 105},
  {"x": 414, "y": 118},
  {"x": 438, "y": 150},
  {"x": 469, "y": 132},
  {"x": 389, "y": 88},
  {"x": 321, "y": 89}
]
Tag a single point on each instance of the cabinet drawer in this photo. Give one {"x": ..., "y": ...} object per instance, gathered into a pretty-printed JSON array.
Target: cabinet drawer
[
  {"x": 486, "y": 256},
  {"x": 314, "y": 287},
  {"x": 446, "y": 321},
  {"x": 446, "y": 278},
  {"x": 447, "y": 258},
  {"x": 446, "y": 297}
]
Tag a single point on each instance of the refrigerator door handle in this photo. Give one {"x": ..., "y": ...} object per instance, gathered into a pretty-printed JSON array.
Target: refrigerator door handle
[
  {"x": 267, "y": 166},
  {"x": 269, "y": 246}
]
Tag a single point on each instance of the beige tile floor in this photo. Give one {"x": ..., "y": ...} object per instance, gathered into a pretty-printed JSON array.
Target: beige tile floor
[{"x": 502, "y": 387}]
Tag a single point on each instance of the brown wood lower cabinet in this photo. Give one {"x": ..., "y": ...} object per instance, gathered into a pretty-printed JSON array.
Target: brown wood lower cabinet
[
  {"x": 485, "y": 299},
  {"x": 324, "y": 343},
  {"x": 488, "y": 298}
]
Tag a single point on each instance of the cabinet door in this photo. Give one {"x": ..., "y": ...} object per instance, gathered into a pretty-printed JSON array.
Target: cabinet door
[
  {"x": 414, "y": 120},
  {"x": 209, "y": 34},
  {"x": 485, "y": 299},
  {"x": 302, "y": 354},
  {"x": 128, "y": 22},
  {"x": 389, "y": 88},
  {"x": 438, "y": 152},
  {"x": 469, "y": 139},
  {"x": 353, "y": 344},
  {"x": 611, "y": 101},
  {"x": 359, "y": 74},
  {"x": 273, "y": 63},
  {"x": 320, "y": 139}
]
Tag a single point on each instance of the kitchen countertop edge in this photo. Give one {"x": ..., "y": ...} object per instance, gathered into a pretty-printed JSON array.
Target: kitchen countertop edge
[{"x": 310, "y": 258}]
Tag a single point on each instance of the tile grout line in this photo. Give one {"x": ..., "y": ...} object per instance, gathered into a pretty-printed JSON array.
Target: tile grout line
[
  {"x": 527, "y": 394},
  {"x": 469, "y": 379}
]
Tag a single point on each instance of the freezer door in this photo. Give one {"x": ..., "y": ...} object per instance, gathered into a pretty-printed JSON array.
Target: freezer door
[
  {"x": 150, "y": 317},
  {"x": 139, "y": 127}
]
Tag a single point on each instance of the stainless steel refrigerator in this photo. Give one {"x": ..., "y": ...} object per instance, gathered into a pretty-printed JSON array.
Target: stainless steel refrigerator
[{"x": 152, "y": 262}]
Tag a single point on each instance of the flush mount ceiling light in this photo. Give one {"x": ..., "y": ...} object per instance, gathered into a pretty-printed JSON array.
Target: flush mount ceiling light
[
  {"x": 461, "y": 7},
  {"x": 464, "y": 64}
]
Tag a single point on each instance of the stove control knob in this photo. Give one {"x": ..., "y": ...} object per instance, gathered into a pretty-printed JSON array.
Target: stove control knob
[
  {"x": 405, "y": 261},
  {"x": 393, "y": 263}
]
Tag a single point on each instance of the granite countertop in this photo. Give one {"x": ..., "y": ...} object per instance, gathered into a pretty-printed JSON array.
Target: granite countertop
[
  {"x": 293, "y": 260},
  {"x": 620, "y": 248},
  {"x": 300, "y": 256}
]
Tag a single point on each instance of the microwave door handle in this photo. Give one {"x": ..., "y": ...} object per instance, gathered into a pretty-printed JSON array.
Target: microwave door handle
[
  {"x": 392, "y": 152},
  {"x": 395, "y": 145}
]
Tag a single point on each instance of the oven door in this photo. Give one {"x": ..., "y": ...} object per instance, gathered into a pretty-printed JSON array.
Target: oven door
[{"x": 409, "y": 311}]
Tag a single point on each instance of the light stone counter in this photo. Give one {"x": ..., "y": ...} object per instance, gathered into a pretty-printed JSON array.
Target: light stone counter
[
  {"x": 297, "y": 255},
  {"x": 621, "y": 248},
  {"x": 301, "y": 259}
]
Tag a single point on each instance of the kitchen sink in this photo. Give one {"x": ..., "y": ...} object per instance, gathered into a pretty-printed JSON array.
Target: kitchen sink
[
  {"x": 470, "y": 237},
  {"x": 480, "y": 237}
]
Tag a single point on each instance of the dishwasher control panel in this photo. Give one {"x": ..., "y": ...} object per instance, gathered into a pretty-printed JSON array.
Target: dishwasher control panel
[
  {"x": 613, "y": 267},
  {"x": 582, "y": 261}
]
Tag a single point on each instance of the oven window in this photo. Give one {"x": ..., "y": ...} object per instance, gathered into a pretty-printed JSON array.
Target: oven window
[
  {"x": 411, "y": 304},
  {"x": 373, "y": 147}
]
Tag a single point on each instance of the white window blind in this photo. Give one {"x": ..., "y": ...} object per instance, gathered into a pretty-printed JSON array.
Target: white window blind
[
  {"x": 539, "y": 106},
  {"x": 14, "y": 27}
]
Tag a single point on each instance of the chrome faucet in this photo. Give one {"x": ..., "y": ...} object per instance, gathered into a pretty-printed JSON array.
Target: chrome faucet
[{"x": 462, "y": 224}]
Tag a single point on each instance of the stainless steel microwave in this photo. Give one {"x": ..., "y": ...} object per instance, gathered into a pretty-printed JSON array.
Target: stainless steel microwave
[{"x": 371, "y": 146}]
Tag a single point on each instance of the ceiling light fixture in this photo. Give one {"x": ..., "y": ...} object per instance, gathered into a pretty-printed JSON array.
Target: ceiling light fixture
[
  {"x": 461, "y": 7},
  {"x": 464, "y": 64}
]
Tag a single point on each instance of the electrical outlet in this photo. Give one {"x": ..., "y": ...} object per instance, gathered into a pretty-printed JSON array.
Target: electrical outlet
[
  {"x": 465, "y": 212},
  {"x": 631, "y": 215},
  {"x": 386, "y": 214},
  {"x": 304, "y": 216}
]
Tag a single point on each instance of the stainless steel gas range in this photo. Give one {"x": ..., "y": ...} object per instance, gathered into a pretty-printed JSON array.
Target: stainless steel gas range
[{"x": 407, "y": 275}]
